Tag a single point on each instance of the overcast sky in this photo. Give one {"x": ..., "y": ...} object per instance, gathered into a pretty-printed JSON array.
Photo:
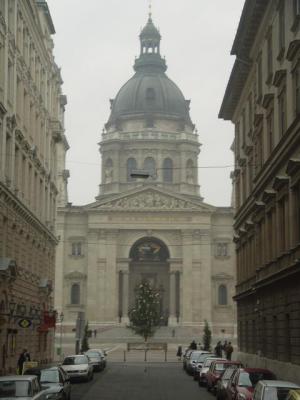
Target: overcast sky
[{"x": 95, "y": 45}]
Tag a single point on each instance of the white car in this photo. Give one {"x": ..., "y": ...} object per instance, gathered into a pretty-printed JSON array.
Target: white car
[
  {"x": 78, "y": 366},
  {"x": 25, "y": 386},
  {"x": 269, "y": 390}
]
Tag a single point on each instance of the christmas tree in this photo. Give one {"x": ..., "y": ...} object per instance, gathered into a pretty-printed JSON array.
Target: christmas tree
[
  {"x": 145, "y": 315},
  {"x": 206, "y": 337},
  {"x": 85, "y": 341}
]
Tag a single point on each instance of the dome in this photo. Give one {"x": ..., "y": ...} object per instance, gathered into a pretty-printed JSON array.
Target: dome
[
  {"x": 147, "y": 93},
  {"x": 150, "y": 31},
  {"x": 150, "y": 92}
]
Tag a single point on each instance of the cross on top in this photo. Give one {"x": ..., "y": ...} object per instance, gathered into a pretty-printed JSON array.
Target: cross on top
[{"x": 150, "y": 8}]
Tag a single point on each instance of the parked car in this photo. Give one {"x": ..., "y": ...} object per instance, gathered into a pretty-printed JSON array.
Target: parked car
[
  {"x": 215, "y": 371},
  {"x": 78, "y": 366},
  {"x": 204, "y": 369},
  {"x": 222, "y": 383},
  {"x": 54, "y": 380},
  {"x": 25, "y": 386},
  {"x": 242, "y": 383},
  {"x": 97, "y": 359},
  {"x": 186, "y": 357},
  {"x": 293, "y": 394},
  {"x": 191, "y": 362},
  {"x": 200, "y": 362},
  {"x": 279, "y": 390}
]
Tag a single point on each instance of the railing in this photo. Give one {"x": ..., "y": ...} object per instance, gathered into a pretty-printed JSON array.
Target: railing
[{"x": 149, "y": 135}]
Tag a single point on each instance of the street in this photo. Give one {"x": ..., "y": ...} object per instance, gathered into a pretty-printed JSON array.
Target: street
[{"x": 136, "y": 381}]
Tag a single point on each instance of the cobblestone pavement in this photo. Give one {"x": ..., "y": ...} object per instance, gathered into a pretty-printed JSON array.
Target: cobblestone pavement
[{"x": 141, "y": 381}]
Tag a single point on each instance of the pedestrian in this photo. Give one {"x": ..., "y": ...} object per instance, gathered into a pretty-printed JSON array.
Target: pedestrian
[
  {"x": 179, "y": 352},
  {"x": 95, "y": 332},
  {"x": 224, "y": 346},
  {"x": 218, "y": 349},
  {"x": 24, "y": 356},
  {"x": 229, "y": 351},
  {"x": 193, "y": 345}
]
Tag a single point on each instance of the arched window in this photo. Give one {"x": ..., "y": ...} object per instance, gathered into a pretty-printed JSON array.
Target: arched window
[
  {"x": 168, "y": 170},
  {"x": 222, "y": 295},
  {"x": 149, "y": 166},
  {"x": 75, "y": 293},
  {"x": 131, "y": 165}
]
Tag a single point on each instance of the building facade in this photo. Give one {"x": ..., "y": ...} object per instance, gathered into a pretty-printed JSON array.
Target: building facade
[
  {"x": 262, "y": 99},
  {"x": 159, "y": 228},
  {"x": 31, "y": 143}
]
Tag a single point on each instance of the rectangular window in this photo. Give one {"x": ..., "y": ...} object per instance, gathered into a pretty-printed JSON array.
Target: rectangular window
[
  {"x": 296, "y": 84},
  {"x": 244, "y": 127},
  {"x": 282, "y": 111},
  {"x": 259, "y": 77},
  {"x": 222, "y": 250},
  {"x": 76, "y": 249},
  {"x": 250, "y": 112},
  {"x": 282, "y": 224},
  {"x": 270, "y": 130},
  {"x": 270, "y": 55},
  {"x": 281, "y": 28},
  {"x": 296, "y": 8}
]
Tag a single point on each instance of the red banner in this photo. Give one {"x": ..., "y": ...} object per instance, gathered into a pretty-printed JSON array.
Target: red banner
[{"x": 49, "y": 320}]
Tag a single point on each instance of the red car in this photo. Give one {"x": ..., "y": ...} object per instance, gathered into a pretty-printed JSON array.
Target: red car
[
  {"x": 242, "y": 383},
  {"x": 216, "y": 370}
]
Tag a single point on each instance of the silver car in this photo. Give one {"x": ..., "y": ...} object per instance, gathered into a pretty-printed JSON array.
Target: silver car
[
  {"x": 192, "y": 361},
  {"x": 78, "y": 366},
  {"x": 25, "y": 386}
]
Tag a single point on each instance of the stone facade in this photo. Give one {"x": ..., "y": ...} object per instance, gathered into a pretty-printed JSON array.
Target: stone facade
[
  {"x": 31, "y": 142},
  {"x": 157, "y": 228},
  {"x": 263, "y": 101}
]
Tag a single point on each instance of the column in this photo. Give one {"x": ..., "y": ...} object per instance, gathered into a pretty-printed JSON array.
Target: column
[
  {"x": 111, "y": 286},
  {"x": 172, "y": 316},
  {"x": 125, "y": 296},
  {"x": 92, "y": 287},
  {"x": 187, "y": 277}
]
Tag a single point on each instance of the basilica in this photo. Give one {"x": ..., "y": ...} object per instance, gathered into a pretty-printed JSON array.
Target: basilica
[{"x": 148, "y": 221}]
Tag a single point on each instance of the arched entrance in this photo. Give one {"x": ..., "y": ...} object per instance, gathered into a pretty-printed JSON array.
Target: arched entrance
[{"x": 149, "y": 261}]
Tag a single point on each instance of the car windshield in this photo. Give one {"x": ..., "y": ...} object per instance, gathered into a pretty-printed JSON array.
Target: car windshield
[
  {"x": 75, "y": 360},
  {"x": 93, "y": 354},
  {"x": 14, "y": 389},
  {"x": 208, "y": 362},
  {"x": 273, "y": 393},
  {"x": 194, "y": 356},
  {"x": 250, "y": 379},
  {"x": 220, "y": 367},
  {"x": 49, "y": 376},
  {"x": 203, "y": 357}
]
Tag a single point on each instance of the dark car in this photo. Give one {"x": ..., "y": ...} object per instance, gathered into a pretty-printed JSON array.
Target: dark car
[
  {"x": 216, "y": 370},
  {"x": 97, "y": 359},
  {"x": 242, "y": 383},
  {"x": 54, "y": 381}
]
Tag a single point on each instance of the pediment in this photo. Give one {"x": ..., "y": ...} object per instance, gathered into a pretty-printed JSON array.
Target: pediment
[{"x": 151, "y": 199}]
